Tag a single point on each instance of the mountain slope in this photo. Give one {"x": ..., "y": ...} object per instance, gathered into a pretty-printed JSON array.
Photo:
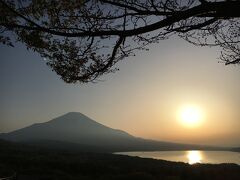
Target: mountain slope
[
  {"x": 75, "y": 130},
  {"x": 71, "y": 127}
]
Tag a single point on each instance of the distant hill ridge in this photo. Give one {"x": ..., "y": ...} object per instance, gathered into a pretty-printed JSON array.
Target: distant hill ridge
[{"x": 75, "y": 130}]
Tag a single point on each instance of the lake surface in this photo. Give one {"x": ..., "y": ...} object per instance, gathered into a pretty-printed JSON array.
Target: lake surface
[{"x": 191, "y": 157}]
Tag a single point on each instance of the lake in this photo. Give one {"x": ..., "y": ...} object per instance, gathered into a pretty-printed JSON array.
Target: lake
[{"x": 191, "y": 157}]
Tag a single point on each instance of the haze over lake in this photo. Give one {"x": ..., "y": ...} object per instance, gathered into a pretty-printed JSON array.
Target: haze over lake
[{"x": 191, "y": 157}]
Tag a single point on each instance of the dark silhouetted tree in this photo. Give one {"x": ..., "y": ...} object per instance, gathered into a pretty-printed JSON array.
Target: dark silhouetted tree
[{"x": 84, "y": 39}]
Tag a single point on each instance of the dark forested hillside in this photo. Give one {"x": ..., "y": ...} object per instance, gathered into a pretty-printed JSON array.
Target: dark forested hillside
[
  {"x": 40, "y": 164},
  {"x": 237, "y": 149}
]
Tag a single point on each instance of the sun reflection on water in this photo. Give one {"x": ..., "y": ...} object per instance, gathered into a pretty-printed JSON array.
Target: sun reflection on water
[{"x": 194, "y": 157}]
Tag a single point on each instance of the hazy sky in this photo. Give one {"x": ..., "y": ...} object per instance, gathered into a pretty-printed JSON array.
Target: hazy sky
[{"x": 143, "y": 98}]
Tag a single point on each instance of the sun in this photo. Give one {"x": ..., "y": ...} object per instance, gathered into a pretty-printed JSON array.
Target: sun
[{"x": 190, "y": 115}]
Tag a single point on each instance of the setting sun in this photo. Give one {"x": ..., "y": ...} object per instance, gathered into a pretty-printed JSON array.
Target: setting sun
[{"x": 190, "y": 116}]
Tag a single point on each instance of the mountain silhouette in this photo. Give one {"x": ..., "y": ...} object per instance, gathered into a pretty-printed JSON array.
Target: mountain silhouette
[{"x": 77, "y": 131}]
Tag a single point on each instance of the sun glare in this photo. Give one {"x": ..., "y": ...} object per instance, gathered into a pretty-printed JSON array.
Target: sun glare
[
  {"x": 190, "y": 116},
  {"x": 194, "y": 157}
]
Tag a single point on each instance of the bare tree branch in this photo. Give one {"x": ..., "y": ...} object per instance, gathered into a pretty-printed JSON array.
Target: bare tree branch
[{"x": 84, "y": 39}]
